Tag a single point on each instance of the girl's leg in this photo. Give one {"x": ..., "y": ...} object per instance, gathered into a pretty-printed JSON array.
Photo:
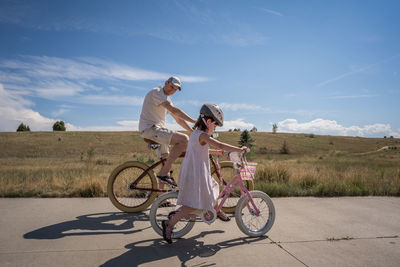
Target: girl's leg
[
  {"x": 183, "y": 212},
  {"x": 222, "y": 215}
]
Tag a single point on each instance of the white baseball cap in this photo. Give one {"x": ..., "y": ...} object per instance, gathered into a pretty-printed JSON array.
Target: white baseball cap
[{"x": 175, "y": 81}]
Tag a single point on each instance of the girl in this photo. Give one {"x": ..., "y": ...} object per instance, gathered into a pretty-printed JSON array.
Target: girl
[{"x": 197, "y": 189}]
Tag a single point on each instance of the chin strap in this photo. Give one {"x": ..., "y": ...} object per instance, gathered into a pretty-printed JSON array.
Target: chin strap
[{"x": 207, "y": 124}]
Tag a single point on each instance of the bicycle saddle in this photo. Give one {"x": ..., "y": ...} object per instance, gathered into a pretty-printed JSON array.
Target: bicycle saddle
[
  {"x": 154, "y": 145},
  {"x": 151, "y": 142}
]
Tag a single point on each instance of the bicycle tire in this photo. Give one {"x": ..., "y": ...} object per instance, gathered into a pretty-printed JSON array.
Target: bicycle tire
[
  {"x": 158, "y": 213},
  {"x": 251, "y": 224},
  {"x": 131, "y": 200},
  {"x": 228, "y": 172}
]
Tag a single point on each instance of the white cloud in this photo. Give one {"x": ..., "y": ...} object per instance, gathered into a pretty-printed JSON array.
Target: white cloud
[
  {"x": 355, "y": 70},
  {"x": 339, "y": 77},
  {"x": 331, "y": 127},
  {"x": 273, "y": 12},
  {"x": 235, "y": 107},
  {"x": 13, "y": 111},
  {"x": 72, "y": 79},
  {"x": 238, "y": 123},
  {"x": 62, "y": 110},
  {"x": 111, "y": 100},
  {"x": 84, "y": 69},
  {"x": 13, "y": 78},
  {"x": 121, "y": 126},
  {"x": 352, "y": 96},
  {"x": 57, "y": 89}
]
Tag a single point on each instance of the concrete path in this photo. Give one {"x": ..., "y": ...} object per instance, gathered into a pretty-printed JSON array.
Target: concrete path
[{"x": 307, "y": 232}]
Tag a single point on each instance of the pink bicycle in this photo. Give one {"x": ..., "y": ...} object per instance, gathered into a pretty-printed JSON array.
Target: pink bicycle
[{"x": 254, "y": 213}]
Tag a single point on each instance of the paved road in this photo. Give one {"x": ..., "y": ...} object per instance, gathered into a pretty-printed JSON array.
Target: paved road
[{"x": 307, "y": 232}]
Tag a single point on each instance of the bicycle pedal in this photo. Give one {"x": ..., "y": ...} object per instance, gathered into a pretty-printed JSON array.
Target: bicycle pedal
[{"x": 164, "y": 180}]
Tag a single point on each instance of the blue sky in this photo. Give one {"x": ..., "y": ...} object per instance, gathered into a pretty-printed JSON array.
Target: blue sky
[{"x": 322, "y": 67}]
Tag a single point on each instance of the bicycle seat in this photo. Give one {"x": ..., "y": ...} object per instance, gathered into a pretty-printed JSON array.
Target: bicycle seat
[
  {"x": 155, "y": 145},
  {"x": 151, "y": 142}
]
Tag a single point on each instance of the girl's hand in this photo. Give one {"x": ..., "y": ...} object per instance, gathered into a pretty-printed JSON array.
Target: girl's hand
[{"x": 245, "y": 149}]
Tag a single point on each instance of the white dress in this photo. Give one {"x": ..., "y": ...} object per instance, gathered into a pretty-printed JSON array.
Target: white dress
[{"x": 197, "y": 189}]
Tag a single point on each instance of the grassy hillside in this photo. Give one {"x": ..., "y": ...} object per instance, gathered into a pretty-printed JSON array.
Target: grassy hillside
[{"x": 64, "y": 164}]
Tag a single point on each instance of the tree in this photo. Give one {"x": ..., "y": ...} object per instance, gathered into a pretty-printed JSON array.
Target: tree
[
  {"x": 245, "y": 139},
  {"x": 23, "y": 128},
  {"x": 274, "y": 128},
  {"x": 254, "y": 129},
  {"x": 59, "y": 126},
  {"x": 285, "y": 148}
]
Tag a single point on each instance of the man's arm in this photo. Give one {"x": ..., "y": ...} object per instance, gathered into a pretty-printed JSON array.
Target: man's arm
[
  {"x": 182, "y": 123},
  {"x": 177, "y": 113}
]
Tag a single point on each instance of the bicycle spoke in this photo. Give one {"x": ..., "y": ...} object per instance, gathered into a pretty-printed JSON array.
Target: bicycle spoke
[
  {"x": 127, "y": 192},
  {"x": 248, "y": 221}
]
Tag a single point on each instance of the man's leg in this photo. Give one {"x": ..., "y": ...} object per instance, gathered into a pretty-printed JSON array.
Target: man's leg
[{"x": 179, "y": 142}]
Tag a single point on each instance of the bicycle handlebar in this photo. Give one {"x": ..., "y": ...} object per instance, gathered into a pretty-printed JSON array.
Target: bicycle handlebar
[{"x": 238, "y": 158}]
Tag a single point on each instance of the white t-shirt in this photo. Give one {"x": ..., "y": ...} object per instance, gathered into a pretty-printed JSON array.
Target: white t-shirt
[{"x": 152, "y": 112}]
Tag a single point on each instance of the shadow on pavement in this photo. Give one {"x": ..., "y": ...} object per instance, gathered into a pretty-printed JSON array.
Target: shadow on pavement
[
  {"x": 151, "y": 250},
  {"x": 91, "y": 224}
]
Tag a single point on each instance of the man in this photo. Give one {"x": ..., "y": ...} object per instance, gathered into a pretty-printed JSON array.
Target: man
[{"x": 152, "y": 124}]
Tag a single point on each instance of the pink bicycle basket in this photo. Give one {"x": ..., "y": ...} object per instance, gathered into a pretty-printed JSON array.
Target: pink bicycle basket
[{"x": 247, "y": 173}]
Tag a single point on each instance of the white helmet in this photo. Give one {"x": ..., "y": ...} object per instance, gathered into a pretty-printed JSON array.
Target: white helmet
[{"x": 213, "y": 111}]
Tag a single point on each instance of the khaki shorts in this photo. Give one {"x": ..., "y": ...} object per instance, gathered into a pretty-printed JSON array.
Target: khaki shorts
[{"x": 160, "y": 135}]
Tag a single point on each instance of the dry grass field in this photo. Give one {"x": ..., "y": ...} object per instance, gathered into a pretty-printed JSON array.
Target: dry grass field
[{"x": 77, "y": 164}]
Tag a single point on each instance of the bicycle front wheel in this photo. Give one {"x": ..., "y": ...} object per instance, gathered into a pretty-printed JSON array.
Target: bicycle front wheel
[
  {"x": 227, "y": 173},
  {"x": 246, "y": 218},
  {"x": 124, "y": 195},
  {"x": 160, "y": 210}
]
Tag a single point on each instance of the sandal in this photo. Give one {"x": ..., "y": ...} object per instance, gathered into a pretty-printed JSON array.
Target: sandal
[
  {"x": 167, "y": 179},
  {"x": 223, "y": 217},
  {"x": 166, "y": 236},
  {"x": 172, "y": 213}
]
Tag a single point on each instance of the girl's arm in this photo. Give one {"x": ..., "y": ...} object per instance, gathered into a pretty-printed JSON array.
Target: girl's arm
[
  {"x": 205, "y": 138},
  {"x": 217, "y": 152}
]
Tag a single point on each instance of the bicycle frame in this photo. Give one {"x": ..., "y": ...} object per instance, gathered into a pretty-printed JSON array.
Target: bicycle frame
[
  {"x": 227, "y": 190},
  {"x": 254, "y": 211},
  {"x": 133, "y": 185},
  {"x": 224, "y": 194}
]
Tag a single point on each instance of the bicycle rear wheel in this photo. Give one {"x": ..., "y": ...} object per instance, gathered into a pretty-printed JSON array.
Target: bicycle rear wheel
[
  {"x": 159, "y": 211},
  {"x": 228, "y": 172},
  {"x": 127, "y": 198},
  {"x": 246, "y": 219}
]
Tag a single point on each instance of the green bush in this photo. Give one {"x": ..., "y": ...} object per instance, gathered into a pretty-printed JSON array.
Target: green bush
[
  {"x": 273, "y": 174},
  {"x": 92, "y": 189},
  {"x": 308, "y": 182},
  {"x": 274, "y": 128},
  {"x": 23, "y": 128},
  {"x": 59, "y": 126},
  {"x": 285, "y": 148},
  {"x": 263, "y": 150},
  {"x": 245, "y": 139}
]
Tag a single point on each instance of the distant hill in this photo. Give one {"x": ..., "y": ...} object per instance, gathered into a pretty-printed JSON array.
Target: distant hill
[{"x": 62, "y": 163}]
